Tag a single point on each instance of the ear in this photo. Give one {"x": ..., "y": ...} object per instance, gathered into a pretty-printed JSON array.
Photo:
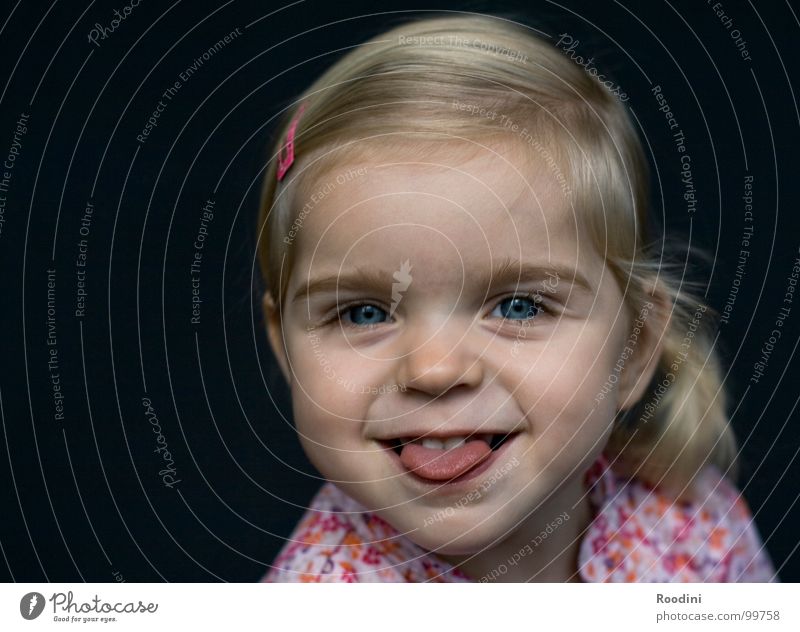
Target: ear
[
  {"x": 272, "y": 318},
  {"x": 644, "y": 347}
]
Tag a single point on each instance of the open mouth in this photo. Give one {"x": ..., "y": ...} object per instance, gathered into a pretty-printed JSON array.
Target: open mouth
[
  {"x": 439, "y": 459},
  {"x": 494, "y": 441}
]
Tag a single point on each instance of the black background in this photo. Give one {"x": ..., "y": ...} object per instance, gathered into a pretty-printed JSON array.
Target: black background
[{"x": 81, "y": 498}]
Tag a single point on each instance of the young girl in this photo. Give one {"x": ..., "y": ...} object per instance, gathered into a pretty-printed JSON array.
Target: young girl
[{"x": 498, "y": 377}]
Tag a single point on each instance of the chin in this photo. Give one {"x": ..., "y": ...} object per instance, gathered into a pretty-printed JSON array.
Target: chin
[{"x": 453, "y": 539}]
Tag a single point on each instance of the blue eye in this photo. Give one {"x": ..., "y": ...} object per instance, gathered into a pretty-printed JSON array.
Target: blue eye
[
  {"x": 512, "y": 308},
  {"x": 366, "y": 314},
  {"x": 517, "y": 308}
]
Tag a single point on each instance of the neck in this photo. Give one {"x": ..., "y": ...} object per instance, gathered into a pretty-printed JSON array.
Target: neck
[{"x": 544, "y": 548}]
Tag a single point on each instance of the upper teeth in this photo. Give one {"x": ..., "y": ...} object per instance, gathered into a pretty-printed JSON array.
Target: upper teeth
[{"x": 443, "y": 444}]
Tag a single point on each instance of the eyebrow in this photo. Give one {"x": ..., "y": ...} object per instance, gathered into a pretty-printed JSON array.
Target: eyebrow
[{"x": 505, "y": 272}]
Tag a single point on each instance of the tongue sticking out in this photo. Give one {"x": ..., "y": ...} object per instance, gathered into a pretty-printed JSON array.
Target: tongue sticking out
[{"x": 442, "y": 465}]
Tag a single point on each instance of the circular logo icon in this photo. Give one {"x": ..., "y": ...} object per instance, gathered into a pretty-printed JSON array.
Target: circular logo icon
[{"x": 31, "y": 605}]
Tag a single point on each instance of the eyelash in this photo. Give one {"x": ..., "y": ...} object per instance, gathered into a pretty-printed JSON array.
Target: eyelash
[{"x": 535, "y": 297}]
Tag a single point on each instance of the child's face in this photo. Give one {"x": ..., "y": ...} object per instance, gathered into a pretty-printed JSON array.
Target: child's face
[{"x": 458, "y": 356}]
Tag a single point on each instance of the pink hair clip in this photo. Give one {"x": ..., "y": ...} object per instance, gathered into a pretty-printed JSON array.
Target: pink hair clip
[{"x": 285, "y": 161}]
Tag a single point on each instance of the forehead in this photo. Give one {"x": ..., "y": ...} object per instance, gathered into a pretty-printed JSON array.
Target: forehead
[{"x": 456, "y": 208}]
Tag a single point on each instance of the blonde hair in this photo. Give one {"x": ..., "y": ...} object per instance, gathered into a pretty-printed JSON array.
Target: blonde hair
[{"x": 403, "y": 86}]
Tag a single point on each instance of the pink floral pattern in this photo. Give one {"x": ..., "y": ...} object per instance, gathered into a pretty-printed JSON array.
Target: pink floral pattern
[{"x": 637, "y": 535}]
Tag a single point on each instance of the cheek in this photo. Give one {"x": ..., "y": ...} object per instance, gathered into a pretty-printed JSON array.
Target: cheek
[
  {"x": 326, "y": 382},
  {"x": 332, "y": 441},
  {"x": 328, "y": 406},
  {"x": 559, "y": 393},
  {"x": 329, "y": 421}
]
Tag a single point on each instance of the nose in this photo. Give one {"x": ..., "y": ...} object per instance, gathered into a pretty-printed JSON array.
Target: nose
[{"x": 437, "y": 360}]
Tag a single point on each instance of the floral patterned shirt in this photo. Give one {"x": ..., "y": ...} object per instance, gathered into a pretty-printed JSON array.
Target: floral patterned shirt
[{"x": 637, "y": 534}]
